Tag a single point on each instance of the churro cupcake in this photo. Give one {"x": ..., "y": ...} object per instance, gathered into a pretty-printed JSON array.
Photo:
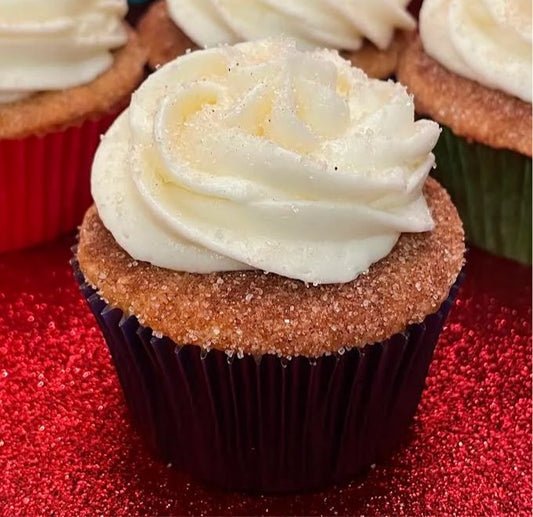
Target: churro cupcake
[
  {"x": 367, "y": 33},
  {"x": 68, "y": 68},
  {"x": 470, "y": 70},
  {"x": 269, "y": 265}
]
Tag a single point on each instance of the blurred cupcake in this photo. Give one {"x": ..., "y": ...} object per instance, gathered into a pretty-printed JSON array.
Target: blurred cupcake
[
  {"x": 470, "y": 70},
  {"x": 68, "y": 68},
  {"x": 268, "y": 264},
  {"x": 364, "y": 32}
]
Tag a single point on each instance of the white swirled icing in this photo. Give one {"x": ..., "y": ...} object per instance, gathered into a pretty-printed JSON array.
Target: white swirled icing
[
  {"x": 488, "y": 41},
  {"x": 264, "y": 156},
  {"x": 52, "y": 45},
  {"x": 338, "y": 24}
]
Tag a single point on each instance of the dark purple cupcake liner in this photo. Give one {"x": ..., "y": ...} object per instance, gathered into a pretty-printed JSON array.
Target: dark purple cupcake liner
[{"x": 269, "y": 424}]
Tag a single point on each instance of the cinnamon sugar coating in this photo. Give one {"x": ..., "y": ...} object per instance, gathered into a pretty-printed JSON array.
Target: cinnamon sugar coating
[
  {"x": 376, "y": 63},
  {"x": 166, "y": 42},
  {"x": 259, "y": 313},
  {"x": 53, "y": 110},
  {"x": 469, "y": 109},
  {"x": 159, "y": 34}
]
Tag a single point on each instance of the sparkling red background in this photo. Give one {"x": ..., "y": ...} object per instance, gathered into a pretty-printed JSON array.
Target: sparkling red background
[{"x": 66, "y": 447}]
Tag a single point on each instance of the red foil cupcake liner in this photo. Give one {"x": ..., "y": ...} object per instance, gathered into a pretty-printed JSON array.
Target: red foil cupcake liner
[
  {"x": 269, "y": 424},
  {"x": 45, "y": 183}
]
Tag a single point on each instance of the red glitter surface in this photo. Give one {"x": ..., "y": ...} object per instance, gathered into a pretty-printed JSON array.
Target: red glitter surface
[{"x": 66, "y": 447}]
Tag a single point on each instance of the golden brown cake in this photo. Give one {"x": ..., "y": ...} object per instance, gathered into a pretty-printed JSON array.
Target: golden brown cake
[
  {"x": 474, "y": 112},
  {"x": 261, "y": 314}
]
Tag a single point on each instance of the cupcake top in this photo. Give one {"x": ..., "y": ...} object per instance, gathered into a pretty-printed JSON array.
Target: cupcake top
[
  {"x": 264, "y": 156},
  {"x": 488, "y": 41},
  {"x": 319, "y": 23},
  {"x": 55, "y": 45}
]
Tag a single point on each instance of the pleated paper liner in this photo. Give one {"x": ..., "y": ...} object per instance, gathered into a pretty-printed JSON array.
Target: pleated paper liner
[
  {"x": 45, "y": 183},
  {"x": 269, "y": 424},
  {"x": 491, "y": 189}
]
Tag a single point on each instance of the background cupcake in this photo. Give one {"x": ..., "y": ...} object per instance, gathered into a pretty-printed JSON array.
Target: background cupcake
[
  {"x": 223, "y": 168},
  {"x": 470, "y": 70},
  {"x": 365, "y": 32},
  {"x": 67, "y": 68}
]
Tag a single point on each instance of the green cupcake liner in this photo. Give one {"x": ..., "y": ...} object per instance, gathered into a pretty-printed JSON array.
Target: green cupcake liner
[{"x": 491, "y": 189}]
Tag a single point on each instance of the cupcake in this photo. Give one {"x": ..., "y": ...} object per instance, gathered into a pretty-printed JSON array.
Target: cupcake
[
  {"x": 366, "y": 33},
  {"x": 470, "y": 70},
  {"x": 268, "y": 264},
  {"x": 68, "y": 68}
]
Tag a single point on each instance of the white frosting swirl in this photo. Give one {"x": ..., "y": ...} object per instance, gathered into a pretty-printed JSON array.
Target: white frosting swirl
[
  {"x": 338, "y": 24},
  {"x": 52, "y": 45},
  {"x": 264, "y": 156},
  {"x": 488, "y": 41}
]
